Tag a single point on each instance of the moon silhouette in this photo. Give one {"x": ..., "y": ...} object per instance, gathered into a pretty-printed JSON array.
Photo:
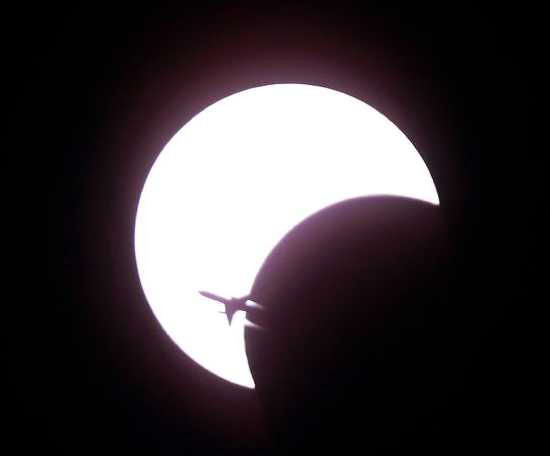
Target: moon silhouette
[{"x": 234, "y": 180}]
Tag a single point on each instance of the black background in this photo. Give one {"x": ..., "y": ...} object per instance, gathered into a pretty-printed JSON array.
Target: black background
[{"x": 119, "y": 83}]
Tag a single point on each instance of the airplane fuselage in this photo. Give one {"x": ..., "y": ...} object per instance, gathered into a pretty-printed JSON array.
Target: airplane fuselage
[{"x": 232, "y": 305}]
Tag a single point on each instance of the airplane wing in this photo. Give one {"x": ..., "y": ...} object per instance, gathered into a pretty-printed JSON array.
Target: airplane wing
[{"x": 229, "y": 313}]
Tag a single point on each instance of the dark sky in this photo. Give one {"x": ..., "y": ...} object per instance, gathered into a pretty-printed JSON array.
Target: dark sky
[{"x": 119, "y": 83}]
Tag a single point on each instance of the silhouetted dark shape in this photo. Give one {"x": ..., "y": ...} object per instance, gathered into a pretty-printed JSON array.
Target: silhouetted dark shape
[
  {"x": 361, "y": 338},
  {"x": 231, "y": 305}
]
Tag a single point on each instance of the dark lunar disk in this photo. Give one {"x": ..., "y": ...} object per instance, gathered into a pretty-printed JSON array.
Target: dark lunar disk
[{"x": 361, "y": 333}]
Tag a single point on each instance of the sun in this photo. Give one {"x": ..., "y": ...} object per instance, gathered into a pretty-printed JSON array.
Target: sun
[{"x": 234, "y": 180}]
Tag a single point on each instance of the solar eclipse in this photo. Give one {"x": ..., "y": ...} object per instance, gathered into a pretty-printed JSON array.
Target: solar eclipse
[{"x": 234, "y": 180}]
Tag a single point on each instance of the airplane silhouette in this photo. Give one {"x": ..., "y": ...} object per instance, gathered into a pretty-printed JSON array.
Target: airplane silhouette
[{"x": 231, "y": 305}]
